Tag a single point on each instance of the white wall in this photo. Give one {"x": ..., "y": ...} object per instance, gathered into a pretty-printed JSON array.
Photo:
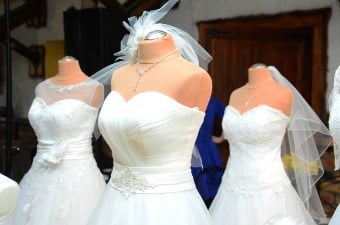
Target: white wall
[{"x": 186, "y": 16}]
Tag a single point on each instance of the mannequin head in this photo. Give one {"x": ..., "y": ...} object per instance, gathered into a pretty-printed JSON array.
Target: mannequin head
[
  {"x": 258, "y": 65},
  {"x": 156, "y": 34},
  {"x": 68, "y": 58}
]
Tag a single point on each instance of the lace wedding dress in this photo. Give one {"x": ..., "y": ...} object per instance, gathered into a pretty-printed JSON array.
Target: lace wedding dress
[
  {"x": 334, "y": 128},
  {"x": 64, "y": 183},
  {"x": 255, "y": 188},
  {"x": 152, "y": 138}
]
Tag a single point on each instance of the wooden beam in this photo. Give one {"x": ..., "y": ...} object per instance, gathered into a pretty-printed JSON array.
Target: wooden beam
[{"x": 26, "y": 12}]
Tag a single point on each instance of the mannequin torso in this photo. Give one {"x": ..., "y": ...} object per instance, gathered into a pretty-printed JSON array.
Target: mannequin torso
[
  {"x": 164, "y": 70},
  {"x": 261, "y": 89},
  {"x": 70, "y": 73}
]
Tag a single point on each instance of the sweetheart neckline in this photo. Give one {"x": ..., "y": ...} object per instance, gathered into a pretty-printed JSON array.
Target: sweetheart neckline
[
  {"x": 257, "y": 107},
  {"x": 196, "y": 109},
  {"x": 65, "y": 99}
]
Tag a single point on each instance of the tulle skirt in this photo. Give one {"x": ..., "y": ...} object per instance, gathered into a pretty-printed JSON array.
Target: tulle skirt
[
  {"x": 150, "y": 196},
  {"x": 182, "y": 208},
  {"x": 262, "y": 207},
  {"x": 62, "y": 194}
]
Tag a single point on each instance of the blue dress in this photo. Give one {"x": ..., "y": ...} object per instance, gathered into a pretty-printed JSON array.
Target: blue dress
[{"x": 208, "y": 178}]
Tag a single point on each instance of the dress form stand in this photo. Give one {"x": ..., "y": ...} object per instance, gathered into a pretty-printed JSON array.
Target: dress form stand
[
  {"x": 268, "y": 122},
  {"x": 63, "y": 115},
  {"x": 9, "y": 192},
  {"x": 162, "y": 69}
]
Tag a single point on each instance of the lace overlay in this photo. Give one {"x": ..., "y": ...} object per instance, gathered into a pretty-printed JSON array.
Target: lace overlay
[
  {"x": 255, "y": 188},
  {"x": 254, "y": 164},
  {"x": 334, "y": 117},
  {"x": 63, "y": 170}
]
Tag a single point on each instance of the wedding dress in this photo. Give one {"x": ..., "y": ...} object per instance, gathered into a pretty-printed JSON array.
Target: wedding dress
[
  {"x": 64, "y": 183},
  {"x": 335, "y": 220},
  {"x": 151, "y": 137},
  {"x": 255, "y": 188},
  {"x": 334, "y": 127}
]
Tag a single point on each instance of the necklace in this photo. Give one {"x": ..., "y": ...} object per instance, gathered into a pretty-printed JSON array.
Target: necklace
[
  {"x": 259, "y": 88},
  {"x": 140, "y": 73}
]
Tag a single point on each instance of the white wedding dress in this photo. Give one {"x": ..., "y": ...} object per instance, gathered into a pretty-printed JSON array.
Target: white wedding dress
[
  {"x": 255, "y": 188},
  {"x": 334, "y": 128},
  {"x": 152, "y": 137},
  {"x": 64, "y": 183}
]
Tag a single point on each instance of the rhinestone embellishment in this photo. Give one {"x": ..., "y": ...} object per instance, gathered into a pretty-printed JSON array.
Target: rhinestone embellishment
[{"x": 128, "y": 183}]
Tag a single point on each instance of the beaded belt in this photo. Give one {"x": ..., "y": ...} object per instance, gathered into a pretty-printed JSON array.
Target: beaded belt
[{"x": 131, "y": 180}]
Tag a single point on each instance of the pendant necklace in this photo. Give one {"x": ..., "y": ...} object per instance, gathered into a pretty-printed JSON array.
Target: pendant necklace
[
  {"x": 259, "y": 88},
  {"x": 140, "y": 73}
]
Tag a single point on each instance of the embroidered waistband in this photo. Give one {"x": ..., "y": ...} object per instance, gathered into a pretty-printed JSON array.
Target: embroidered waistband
[{"x": 131, "y": 180}]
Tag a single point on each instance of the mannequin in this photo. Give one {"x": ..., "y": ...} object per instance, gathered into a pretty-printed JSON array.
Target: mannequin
[
  {"x": 63, "y": 115},
  {"x": 173, "y": 76},
  {"x": 261, "y": 89},
  {"x": 150, "y": 120},
  {"x": 266, "y": 119},
  {"x": 9, "y": 192},
  {"x": 156, "y": 34},
  {"x": 69, "y": 72}
]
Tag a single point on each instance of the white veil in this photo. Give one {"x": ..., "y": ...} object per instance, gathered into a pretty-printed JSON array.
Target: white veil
[
  {"x": 334, "y": 116},
  {"x": 305, "y": 141}
]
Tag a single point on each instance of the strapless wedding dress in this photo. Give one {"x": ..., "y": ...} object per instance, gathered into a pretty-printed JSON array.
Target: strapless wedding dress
[
  {"x": 334, "y": 128},
  {"x": 255, "y": 188},
  {"x": 152, "y": 137}
]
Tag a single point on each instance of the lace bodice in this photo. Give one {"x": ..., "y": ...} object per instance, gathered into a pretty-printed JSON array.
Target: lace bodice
[
  {"x": 149, "y": 130},
  {"x": 255, "y": 139},
  {"x": 334, "y": 119},
  {"x": 64, "y": 117}
]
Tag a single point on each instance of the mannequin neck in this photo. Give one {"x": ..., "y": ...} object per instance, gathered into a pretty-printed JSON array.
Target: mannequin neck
[
  {"x": 68, "y": 69},
  {"x": 258, "y": 76},
  {"x": 151, "y": 51}
]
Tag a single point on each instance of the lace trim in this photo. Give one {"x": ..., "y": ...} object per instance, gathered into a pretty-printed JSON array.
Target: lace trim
[{"x": 36, "y": 184}]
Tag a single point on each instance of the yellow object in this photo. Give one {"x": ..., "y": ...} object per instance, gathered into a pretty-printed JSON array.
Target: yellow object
[
  {"x": 54, "y": 50},
  {"x": 294, "y": 162}
]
